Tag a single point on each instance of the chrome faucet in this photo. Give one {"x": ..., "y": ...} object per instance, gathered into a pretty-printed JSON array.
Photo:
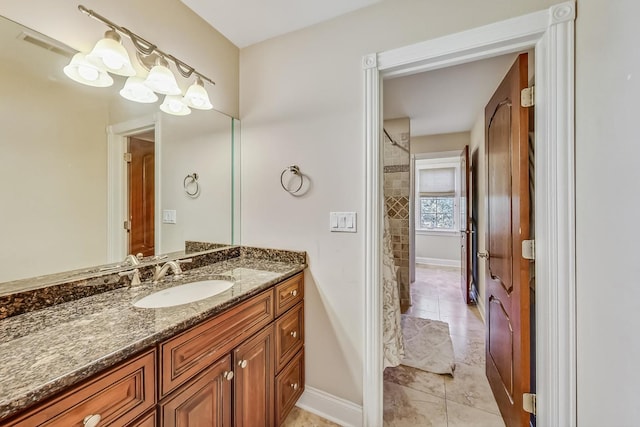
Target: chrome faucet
[
  {"x": 160, "y": 272},
  {"x": 132, "y": 259},
  {"x": 133, "y": 275}
]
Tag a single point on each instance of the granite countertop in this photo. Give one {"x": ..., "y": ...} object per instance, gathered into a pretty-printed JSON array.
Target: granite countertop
[{"x": 45, "y": 351}]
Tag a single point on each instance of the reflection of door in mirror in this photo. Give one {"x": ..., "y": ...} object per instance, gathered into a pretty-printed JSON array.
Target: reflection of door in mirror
[{"x": 141, "y": 177}]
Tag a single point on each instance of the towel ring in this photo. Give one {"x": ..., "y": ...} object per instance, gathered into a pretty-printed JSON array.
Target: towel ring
[
  {"x": 295, "y": 170},
  {"x": 191, "y": 185}
]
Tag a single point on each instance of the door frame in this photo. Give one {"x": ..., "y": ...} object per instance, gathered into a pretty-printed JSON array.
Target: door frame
[
  {"x": 117, "y": 190},
  {"x": 551, "y": 33}
]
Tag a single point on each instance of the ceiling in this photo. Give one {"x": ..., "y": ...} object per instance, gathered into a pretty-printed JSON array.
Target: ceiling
[
  {"x": 446, "y": 100},
  {"x": 245, "y": 22}
]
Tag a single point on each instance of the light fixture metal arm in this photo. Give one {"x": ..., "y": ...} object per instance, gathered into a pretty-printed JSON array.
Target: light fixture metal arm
[{"x": 145, "y": 47}]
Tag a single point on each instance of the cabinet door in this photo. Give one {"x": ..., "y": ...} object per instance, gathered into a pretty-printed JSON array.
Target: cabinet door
[
  {"x": 204, "y": 401},
  {"x": 254, "y": 380}
]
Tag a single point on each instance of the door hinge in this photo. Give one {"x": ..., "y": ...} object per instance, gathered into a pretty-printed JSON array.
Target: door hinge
[
  {"x": 127, "y": 157},
  {"x": 529, "y": 249},
  {"x": 527, "y": 97},
  {"x": 529, "y": 402},
  {"x": 127, "y": 225}
]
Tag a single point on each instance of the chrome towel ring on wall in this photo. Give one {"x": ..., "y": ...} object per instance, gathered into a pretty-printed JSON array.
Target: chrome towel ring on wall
[
  {"x": 191, "y": 185},
  {"x": 295, "y": 171}
]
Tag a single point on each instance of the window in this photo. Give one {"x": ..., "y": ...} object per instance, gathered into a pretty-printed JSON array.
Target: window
[{"x": 437, "y": 194}]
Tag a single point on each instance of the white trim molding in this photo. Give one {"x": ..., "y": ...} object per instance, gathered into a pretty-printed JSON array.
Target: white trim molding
[
  {"x": 439, "y": 262},
  {"x": 551, "y": 33},
  {"x": 330, "y": 407}
]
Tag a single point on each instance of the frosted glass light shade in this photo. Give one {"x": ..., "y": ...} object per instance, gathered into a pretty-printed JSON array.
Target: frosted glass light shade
[
  {"x": 161, "y": 79},
  {"x": 87, "y": 72},
  {"x": 173, "y": 105},
  {"x": 135, "y": 90},
  {"x": 197, "y": 96},
  {"x": 110, "y": 52}
]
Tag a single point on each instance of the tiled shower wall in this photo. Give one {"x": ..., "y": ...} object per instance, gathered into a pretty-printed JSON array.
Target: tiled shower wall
[{"x": 396, "y": 187}]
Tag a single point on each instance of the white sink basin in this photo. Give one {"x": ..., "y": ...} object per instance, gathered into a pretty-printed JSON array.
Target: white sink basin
[{"x": 184, "y": 294}]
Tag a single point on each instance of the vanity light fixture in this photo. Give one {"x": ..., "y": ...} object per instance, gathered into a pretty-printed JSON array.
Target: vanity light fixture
[
  {"x": 197, "y": 97},
  {"x": 110, "y": 56},
  {"x": 113, "y": 55},
  {"x": 173, "y": 105},
  {"x": 135, "y": 90},
  {"x": 88, "y": 72},
  {"x": 161, "y": 80}
]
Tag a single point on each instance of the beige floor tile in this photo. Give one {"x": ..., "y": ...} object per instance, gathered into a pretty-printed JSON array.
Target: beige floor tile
[
  {"x": 465, "y": 324},
  {"x": 405, "y": 407},
  {"x": 425, "y": 303},
  {"x": 468, "y": 350},
  {"x": 423, "y": 314},
  {"x": 300, "y": 418},
  {"x": 470, "y": 387},
  {"x": 416, "y": 379},
  {"x": 464, "y": 416}
]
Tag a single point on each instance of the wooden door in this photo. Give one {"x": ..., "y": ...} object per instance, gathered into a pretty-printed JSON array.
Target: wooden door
[
  {"x": 507, "y": 295},
  {"x": 465, "y": 227},
  {"x": 141, "y": 197},
  {"x": 202, "y": 402},
  {"x": 254, "y": 381}
]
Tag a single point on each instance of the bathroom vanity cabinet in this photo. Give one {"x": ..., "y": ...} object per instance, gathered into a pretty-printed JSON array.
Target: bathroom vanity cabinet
[{"x": 242, "y": 367}]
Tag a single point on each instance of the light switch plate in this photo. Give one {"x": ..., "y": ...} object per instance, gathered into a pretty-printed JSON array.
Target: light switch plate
[
  {"x": 344, "y": 222},
  {"x": 169, "y": 216}
]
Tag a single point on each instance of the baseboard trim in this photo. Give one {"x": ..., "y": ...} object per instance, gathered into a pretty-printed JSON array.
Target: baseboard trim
[
  {"x": 438, "y": 261},
  {"x": 330, "y": 407}
]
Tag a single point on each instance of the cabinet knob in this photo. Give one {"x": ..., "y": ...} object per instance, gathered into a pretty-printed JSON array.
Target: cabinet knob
[
  {"x": 228, "y": 375},
  {"x": 91, "y": 420},
  {"x": 242, "y": 364},
  {"x": 294, "y": 292},
  {"x": 294, "y": 386},
  {"x": 294, "y": 334}
]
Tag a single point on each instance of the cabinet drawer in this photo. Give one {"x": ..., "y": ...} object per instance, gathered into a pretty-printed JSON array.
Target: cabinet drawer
[
  {"x": 289, "y": 335},
  {"x": 148, "y": 420},
  {"x": 187, "y": 354},
  {"x": 289, "y": 387},
  {"x": 118, "y": 396},
  {"x": 289, "y": 293}
]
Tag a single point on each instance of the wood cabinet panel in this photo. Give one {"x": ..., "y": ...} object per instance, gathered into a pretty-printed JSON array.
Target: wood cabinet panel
[
  {"x": 289, "y": 335},
  {"x": 118, "y": 396},
  {"x": 148, "y": 420},
  {"x": 289, "y": 387},
  {"x": 192, "y": 351},
  {"x": 254, "y": 381},
  {"x": 289, "y": 293},
  {"x": 205, "y": 401}
]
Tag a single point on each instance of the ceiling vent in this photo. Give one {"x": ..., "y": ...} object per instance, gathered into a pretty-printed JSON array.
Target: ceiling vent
[{"x": 47, "y": 43}]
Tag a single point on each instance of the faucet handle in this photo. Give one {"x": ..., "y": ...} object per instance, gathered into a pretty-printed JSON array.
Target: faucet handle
[
  {"x": 133, "y": 275},
  {"x": 184, "y": 261}
]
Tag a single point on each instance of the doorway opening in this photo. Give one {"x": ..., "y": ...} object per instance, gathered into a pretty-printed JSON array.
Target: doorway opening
[
  {"x": 550, "y": 33},
  {"x": 141, "y": 191}
]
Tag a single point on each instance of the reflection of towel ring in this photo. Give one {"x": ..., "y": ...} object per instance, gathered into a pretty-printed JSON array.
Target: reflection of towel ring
[
  {"x": 191, "y": 185},
  {"x": 295, "y": 170}
]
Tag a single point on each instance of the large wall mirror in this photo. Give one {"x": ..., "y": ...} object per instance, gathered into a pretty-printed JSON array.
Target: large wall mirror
[{"x": 71, "y": 198}]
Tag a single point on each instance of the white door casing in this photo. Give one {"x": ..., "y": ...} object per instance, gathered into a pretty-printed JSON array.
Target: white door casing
[{"x": 551, "y": 34}]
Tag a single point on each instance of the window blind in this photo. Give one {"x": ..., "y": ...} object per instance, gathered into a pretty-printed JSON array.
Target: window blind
[{"x": 438, "y": 182}]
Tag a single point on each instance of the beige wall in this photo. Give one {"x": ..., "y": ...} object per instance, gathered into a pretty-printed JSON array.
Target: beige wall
[
  {"x": 302, "y": 102},
  {"x": 436, "y": 143},
  {"x": 607, "y": 202},
  {"x": 53, "y": 177},
  {"x": 171, "y": 25}
]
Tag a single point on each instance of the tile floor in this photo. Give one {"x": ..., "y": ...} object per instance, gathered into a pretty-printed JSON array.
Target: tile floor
[{"x": 416, "y": 398}]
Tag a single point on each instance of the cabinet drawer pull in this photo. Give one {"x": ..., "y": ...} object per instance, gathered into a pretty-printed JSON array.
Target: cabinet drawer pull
[
  {"x": 294, "y": 386},
  {"x": 294, "y": 334},
  {"x": 294, "y": 293},
  {"x": 91, "y": 420},
  {"x": 242, "y": 364},
  {"x": 228, "y": 375}
]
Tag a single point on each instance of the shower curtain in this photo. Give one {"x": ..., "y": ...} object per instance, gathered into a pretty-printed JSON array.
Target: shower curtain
[{"x": 392, "y": 331}]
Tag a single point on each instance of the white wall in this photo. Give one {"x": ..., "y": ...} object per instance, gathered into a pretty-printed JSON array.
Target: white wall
[
  {"x": 441, "y": 142},
  {"x": 608, "y": 202},
  {"x": 302, "y": 102}
]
